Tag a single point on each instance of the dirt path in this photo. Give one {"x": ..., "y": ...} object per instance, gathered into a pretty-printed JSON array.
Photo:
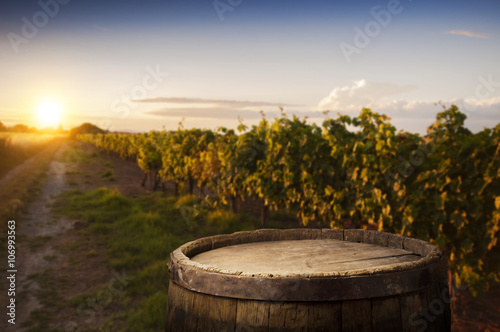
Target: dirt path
[
  {"x": 40, "y": 261},
  {"x": 36, "y": 227},
  {"x": 17, "y": 170}
]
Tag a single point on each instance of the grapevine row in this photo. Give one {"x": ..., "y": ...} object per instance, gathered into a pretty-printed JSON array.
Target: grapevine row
[{"x": 443, "y": 187}]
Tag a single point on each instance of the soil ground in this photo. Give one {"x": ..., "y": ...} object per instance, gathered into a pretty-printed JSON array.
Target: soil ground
[
  {"x": 50, "y": 276},
  {"x": 41, "y": 239}
]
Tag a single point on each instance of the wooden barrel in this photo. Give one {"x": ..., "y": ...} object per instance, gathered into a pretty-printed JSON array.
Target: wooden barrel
[{"x": 308, "y": 280}]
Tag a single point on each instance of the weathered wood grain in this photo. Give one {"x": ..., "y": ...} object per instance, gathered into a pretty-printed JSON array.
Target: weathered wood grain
[
  {"x": 411, "y": 306},
  {"x": 354, "y": 235},
  {"x": 180, "y": 309},
  {"x": 334, "y": 234},
  {"x": 300, "y": 234},
  {"x": 385, "y": 314},
  {"x": 377, "y": 238},
  {"x": 222, "y": 313},
  {"x": 252, "y": 316},
  {"x": 325, "y": 316},
  {"x": 201, "y": 313},
  {"x": 395, "y": 241},
  {"x": 288, "y": 316},
  {"x": 305, "y": 256},
  {"x": 357, "y": 316},
  {"x": 438, "y": 309}
]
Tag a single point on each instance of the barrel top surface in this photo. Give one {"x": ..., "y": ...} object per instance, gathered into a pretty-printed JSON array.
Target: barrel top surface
[
  {"x": 320, "y": 256},
  {"x": 307, "y": 265}
]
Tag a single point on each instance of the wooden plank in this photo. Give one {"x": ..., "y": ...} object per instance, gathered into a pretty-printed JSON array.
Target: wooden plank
[
  {"x": 288, "y": 316},
  {"x": 252, "y": 316},
  {"x": 334, "y": 234},
  {"x": 426, "y": 314},
  {"x": 432, "y": 313},
  {"x": 420, "y": 247},
  {"x": 437, "y": 310},
  {"x": 305, "y": 256},
  {"x": 180, "y": 309},
  {"x": 445, "y": 296},
  {"x": 386, "y": 314},
  {"x": 190, "y": 320},
  {"x": 222, "y": 313},
  {"x": 188, "y": 300},
  {"x": 222, "y": 240},
  {"x": 356, "y": 316},
  {"x": 201, "y": 312},
  {"x": 411, "y": 307},
  {"x": 300, "y": 234},
  {"x": 268, "y": 234},
  {"x": 395, "y": 241},
  {"x": 325, "y": 316},
  {"x": 374, "y": 263},
  {"x": 170, "y": 324},
  {"x": 213, "y": 313},
  {"x": 196, "y": 247},
  {"x": 297, "y": 319},
  {"x": 354, "y": 235},
  {"x": 377, "y": 238}
]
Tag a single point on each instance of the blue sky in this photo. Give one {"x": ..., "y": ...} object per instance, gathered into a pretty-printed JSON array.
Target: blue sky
[{"x": 148, "y": 64}]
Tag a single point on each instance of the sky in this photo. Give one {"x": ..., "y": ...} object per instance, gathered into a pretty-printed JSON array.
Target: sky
[{"x": 144, "y": 65}]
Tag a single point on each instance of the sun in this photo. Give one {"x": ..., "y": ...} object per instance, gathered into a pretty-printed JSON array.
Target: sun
[{"x": 49, "y": 112}]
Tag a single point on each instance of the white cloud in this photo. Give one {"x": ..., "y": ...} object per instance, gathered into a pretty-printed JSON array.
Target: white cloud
[
  {"x": 226, "y": 113},
  {"x": 217, "y": 109},
  {"x": 210, "y": 102},
  {"x": 381, "y": 97},
  {"x": 362, "y": 94},
  {"x": 206, "y": 113},
  {"x": 467, "y": 33},
  {"x": 415, "y": 115},
  {"x": 482, "y": 102}
]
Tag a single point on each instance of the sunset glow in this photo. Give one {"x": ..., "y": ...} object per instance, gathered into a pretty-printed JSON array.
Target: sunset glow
[
  {"x": 49, "y": 113},
  {"x": 215, "y": 62}
]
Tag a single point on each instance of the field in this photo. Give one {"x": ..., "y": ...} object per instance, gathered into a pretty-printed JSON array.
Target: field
[
  {"x": 24, "y": 157},
  {"x": 93, "y": 234}
]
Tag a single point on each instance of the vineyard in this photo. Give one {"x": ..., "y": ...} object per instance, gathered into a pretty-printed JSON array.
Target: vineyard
[{"x": 443, "y": 187}]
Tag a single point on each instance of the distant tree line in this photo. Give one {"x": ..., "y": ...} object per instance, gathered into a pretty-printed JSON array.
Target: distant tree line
[
  {"x": 85, "y": 128},
  {"x": 22, "y": 128}
]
